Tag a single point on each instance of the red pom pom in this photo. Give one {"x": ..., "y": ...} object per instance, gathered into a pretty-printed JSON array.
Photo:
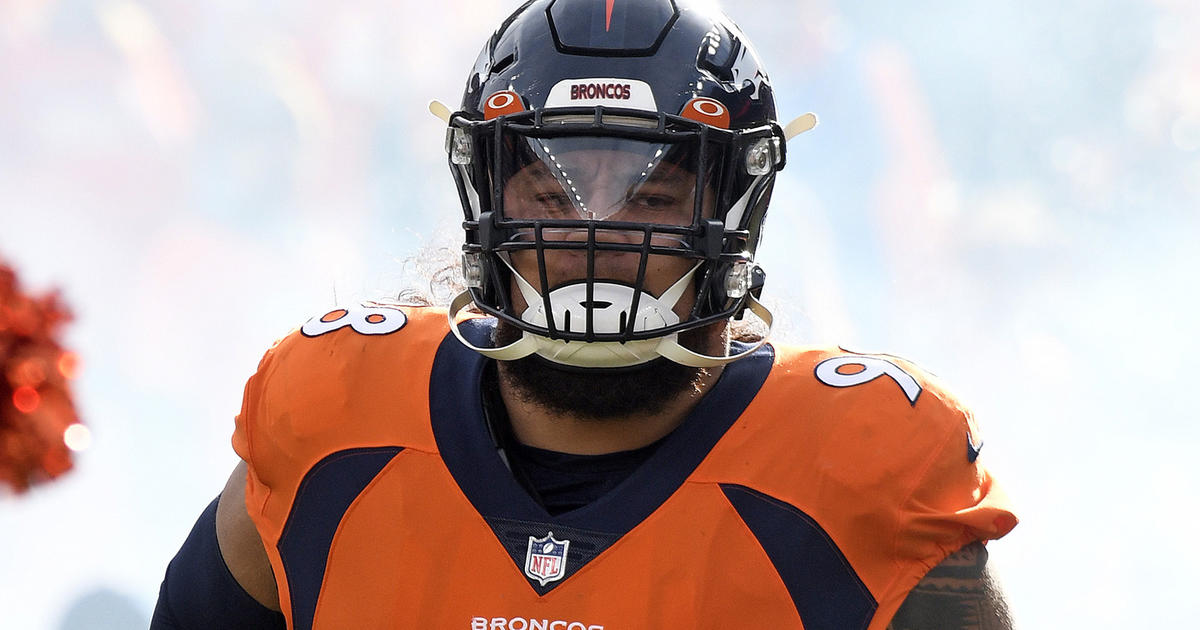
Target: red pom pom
[{"x": 36, "y": 410}]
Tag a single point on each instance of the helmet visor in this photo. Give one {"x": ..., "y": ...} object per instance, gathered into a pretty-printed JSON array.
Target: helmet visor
[{"x": 589, "y": 178}]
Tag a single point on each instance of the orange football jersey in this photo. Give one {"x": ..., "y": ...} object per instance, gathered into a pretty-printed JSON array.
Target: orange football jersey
[{"x": 809, "y": 489}]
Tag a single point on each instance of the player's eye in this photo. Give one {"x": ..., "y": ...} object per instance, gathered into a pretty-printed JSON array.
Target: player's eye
[
  {"x": 654, "y": 201},
  {"x": 553, "y": 202}
]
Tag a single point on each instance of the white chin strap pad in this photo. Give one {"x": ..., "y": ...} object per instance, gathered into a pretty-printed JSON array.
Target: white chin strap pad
[{"x": 607, "y": 354}]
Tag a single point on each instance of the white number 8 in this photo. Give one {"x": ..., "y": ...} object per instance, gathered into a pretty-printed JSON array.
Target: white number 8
[{"x": 364, "y": 320}]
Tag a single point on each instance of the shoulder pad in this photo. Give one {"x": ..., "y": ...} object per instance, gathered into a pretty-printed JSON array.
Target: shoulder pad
[
  {"x": 351, "y": 378},
  {"x": 881, "y": 394}
]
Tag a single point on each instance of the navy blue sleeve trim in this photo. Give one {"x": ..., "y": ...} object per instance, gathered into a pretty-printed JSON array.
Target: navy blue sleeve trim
[
  {"x": 199, "y": 593},
  {"x": 826, "y": 590}
]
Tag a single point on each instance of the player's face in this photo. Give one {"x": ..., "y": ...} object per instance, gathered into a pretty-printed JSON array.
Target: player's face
[{"x": 605, "y": 185}]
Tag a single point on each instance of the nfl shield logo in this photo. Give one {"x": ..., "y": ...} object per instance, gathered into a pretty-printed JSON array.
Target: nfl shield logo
[{"x": 546, "y": 558}]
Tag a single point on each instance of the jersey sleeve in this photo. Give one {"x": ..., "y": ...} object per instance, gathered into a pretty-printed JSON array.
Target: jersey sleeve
[
  {"x": 249, "y": 445},
  {"x": 946, "y": 496},
  {"x": 956, "y": 500},
  {"x": 953, "y": 502},
  {"x": 916, "y": 444}
]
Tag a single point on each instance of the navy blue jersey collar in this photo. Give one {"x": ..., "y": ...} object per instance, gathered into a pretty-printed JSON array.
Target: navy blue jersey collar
[{"x": 466, "y": 445}]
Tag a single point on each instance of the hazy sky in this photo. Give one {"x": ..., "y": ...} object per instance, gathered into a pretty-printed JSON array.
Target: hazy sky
[{"x": 1004, "y": 192}]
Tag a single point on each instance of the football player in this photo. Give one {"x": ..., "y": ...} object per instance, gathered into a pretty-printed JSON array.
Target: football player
[{"x": 590, "y": 445}]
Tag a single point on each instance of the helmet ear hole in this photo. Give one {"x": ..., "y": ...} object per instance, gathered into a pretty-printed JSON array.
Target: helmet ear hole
[{"x": 503, "y": 64}]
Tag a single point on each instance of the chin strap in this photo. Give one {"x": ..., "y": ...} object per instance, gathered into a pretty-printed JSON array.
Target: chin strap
[
  {"x": 669, "y": 346},
  {"x": 605, "y": 354},
  {"x": 518, "y": 349}
]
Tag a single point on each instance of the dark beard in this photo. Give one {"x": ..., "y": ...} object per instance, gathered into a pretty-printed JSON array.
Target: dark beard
[{"x": 601, "y": 394}]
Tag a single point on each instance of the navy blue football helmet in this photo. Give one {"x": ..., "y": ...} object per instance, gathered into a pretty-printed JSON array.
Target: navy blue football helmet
[{"x": 598, "y": 130}]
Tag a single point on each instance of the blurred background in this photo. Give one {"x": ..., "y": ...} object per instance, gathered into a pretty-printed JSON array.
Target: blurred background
[{"x": 1004, "y": 192}]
